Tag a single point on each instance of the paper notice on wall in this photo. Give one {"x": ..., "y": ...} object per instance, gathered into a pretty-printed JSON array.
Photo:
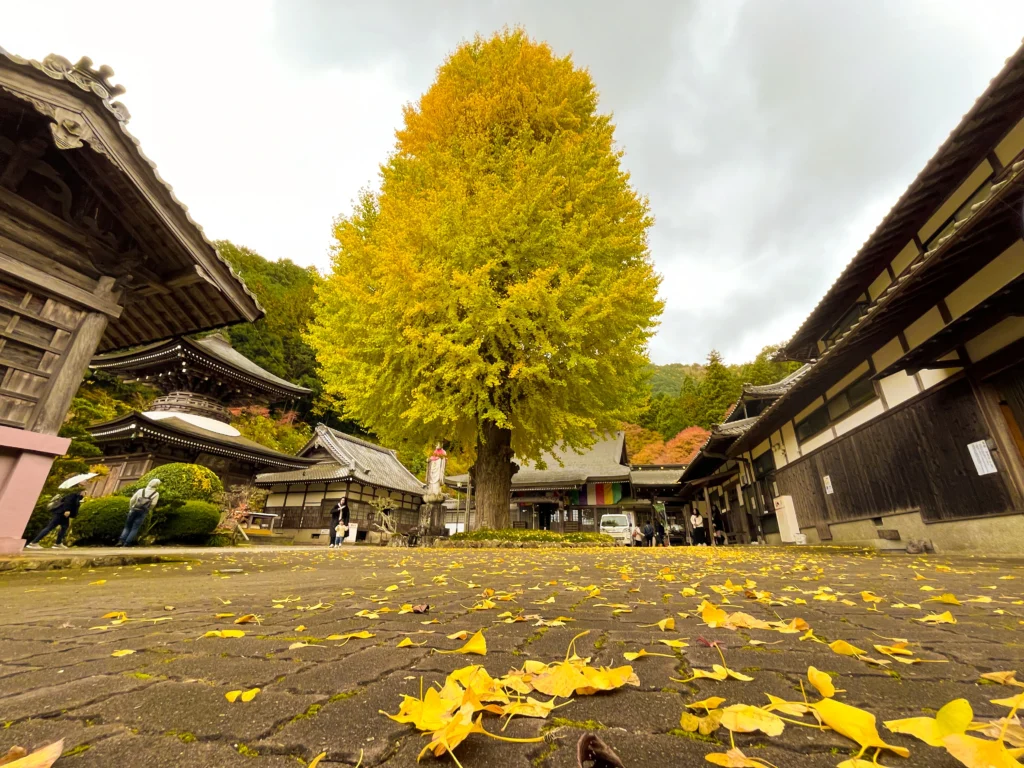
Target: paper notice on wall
[
  {"x": 982, "y": 458},
  {"x": 828, "y": 484}
]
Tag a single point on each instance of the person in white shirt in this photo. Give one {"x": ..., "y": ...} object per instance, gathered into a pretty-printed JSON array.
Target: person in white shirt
[
  {"x": 143, "y": 502},
  {"x": 697, "y": 523}
]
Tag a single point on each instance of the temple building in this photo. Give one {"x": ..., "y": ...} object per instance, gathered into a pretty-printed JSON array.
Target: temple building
[
  {"x": 574, "y": 489},
  {"x": 201, "y": 379},
  {"x": 96, "y": 254},
  {"x": 341, "y": 465},
  {"x": 908, "y": 423}
]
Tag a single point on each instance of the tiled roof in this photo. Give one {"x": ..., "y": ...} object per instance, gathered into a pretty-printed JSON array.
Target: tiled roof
[
  {"x": 175, "y": 430},
  {"x": 645, "y": 477},
  {"x": 352, "y": 459},
  {"x": 214, "y": 348},
  {"x": 994, "y": 113},
  {"x": 602, "y": 462},
  {"x": 778, "y": 388},
  {"x": 732, "y": 428}
]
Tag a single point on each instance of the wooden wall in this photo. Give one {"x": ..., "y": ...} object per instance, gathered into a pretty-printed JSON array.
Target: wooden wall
[{"x": 914, "y": 458}]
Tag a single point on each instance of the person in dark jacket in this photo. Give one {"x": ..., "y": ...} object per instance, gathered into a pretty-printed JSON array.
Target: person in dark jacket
[
  {"x": 63, "y": 510},
  {"x": 659, "y": 532},
  {"x": 649, "y": 535},
  {"x": 340, "y": 515}
]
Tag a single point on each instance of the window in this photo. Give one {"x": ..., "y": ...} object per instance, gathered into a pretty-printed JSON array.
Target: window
[
  {"x": 861, "y": 392},
  {"x": 816, "y": 421},
  {"x": 764, "y": 464},
  {"x": 851, "y": 398}
]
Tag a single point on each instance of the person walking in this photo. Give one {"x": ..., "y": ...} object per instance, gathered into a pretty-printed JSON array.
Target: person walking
[
  {"x": 649, "y": 534},
  {"x": 659, "y": 533},
  {"x": 340, "y": 516},
  {"x": 638, "y": 536},
  {"x": 142, "y": 503},
  {"x": 697, "y": 524},
  {"x": 62, "y": 508}
]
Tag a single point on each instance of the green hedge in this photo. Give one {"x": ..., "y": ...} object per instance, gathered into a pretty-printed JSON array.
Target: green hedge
[
  {"x": 191, "y": 523},
  {"x": 100, "y": 521},
  {"x": 527, "y": 534},
  {"x": 179, "y": 483}
]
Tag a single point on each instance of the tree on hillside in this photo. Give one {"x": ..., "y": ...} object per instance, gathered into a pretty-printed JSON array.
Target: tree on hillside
[
  {"x": 764, "y": 369},
  {"x": 641, "y": 442},
  {"x": 718, "y": 391},
  {"x": 286, "y": 292},
  {"x": 498, "y": 290}
]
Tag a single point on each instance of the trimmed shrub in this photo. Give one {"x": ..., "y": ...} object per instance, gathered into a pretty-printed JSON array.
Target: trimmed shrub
[
  {"x": 191, "y": 523},
  {"x": 529, "y": 534},
  {"x": 100, "y": 521},
  {"x": 179, "y": 483}
]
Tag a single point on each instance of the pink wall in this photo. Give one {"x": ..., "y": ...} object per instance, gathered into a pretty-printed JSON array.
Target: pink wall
[{"x": 25, "y": 459}]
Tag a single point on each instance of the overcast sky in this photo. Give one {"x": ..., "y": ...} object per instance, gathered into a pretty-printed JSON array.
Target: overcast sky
[{"x": 770, "y": 136}]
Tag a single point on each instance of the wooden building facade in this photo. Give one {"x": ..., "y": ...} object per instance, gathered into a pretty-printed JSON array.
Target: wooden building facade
[
  {"x": 344, "y": 466},
  {"x": 96, "y": 253},
  {"x": 907, "y": 422}
]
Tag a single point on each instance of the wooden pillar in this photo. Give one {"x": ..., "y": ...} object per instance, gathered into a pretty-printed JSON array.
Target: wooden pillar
[
  {"x": 64, "y": 384},
  {"x": 709, "y": 530}
]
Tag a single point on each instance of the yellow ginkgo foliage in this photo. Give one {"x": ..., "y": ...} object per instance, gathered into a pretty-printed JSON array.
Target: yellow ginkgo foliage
[
  {"x": 734, "y": 758},
  {"x": 476, "y": 644},
  {"x": 855, "y": 724},
  {"x": 821, "y": 681},
  {"x": 565, "y": 282},
  {"x": 225, "y": 633},
  {"x": 954, "y": 717}
]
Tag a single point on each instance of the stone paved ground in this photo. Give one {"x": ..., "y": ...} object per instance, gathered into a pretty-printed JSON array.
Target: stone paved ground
[{"x": 164, "y": 705}]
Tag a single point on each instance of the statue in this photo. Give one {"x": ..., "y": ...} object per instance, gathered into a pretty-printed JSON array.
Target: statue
[{"x": 436, "y": 465}]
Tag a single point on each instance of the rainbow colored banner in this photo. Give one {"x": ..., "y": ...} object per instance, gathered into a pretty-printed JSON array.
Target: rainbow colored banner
[{"x": 599, "y": 494}]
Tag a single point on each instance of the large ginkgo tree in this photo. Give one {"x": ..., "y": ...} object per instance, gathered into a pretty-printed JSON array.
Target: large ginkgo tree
[{"x": 498, "y": 290}]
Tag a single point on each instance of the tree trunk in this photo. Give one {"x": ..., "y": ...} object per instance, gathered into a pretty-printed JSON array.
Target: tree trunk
[{"x": 493, "y": 476}]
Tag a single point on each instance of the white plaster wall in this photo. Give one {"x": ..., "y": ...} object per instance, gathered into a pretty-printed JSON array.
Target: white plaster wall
[
  {"x": 275, "y": 500},
  {"x": 899, "y": 387},
  {"x": 882, "y": 282},
  {"x": 902, "y": 259},
  {"x": 818, "y": 402},
  {"x": 924, "y": 327},
  {"x": 817, "y": 441},
  {"x": 929, "y": 378},
  {"x": 862, "y": 416},
  {"x": 887, "y": 354},
  {"x": 995, "y": 338},
  {"x": 986, "y": 281},
  {"x": 847, "y": 380},
  {"x": 790, "y": 442}
]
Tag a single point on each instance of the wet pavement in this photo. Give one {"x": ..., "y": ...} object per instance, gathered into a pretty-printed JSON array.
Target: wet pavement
[{"x": 164, "y": 704}]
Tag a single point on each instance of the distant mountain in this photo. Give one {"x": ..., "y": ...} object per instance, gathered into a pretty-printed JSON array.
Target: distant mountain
[{"x": 668, "y": 379}]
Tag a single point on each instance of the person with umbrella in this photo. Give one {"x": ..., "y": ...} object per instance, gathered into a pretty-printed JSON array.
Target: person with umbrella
[{"x": 63, "y": 508}]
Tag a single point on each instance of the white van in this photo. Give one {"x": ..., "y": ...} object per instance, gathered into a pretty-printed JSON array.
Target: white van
[{"x": 619, "y": 526}]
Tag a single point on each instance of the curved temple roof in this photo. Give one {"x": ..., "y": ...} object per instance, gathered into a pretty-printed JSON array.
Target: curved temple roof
[
  {"x": 174, "y": 281},
  {"x": 213, "y": 351}
]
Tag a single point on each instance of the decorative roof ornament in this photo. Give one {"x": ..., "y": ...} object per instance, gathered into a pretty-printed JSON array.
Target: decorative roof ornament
[
  {"x": 82, "y": 74},
  {"x": 85, "y": 77}
]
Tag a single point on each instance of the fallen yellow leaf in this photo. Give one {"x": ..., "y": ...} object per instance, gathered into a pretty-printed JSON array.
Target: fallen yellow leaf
[
  {"x": 954, "y": 717},
  {"x": 119, "y": 654},
  {"x": 476, "y": 644},
  {"x": 225, "y": 633},
  {"x": 855, "y": 724},
  {"x": 821, "y": 681}
]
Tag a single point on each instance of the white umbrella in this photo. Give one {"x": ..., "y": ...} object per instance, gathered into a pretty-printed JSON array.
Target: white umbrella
[{"x": 71, "y": 482}]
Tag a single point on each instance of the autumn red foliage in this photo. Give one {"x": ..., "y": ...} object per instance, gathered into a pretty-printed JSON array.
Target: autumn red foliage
[{"x": 645, "y": 446}]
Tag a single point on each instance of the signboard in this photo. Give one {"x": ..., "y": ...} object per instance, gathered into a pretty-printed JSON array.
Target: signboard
[
  {"x": 982, "y": 458},
  {"x": 828, "y": 484}
]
